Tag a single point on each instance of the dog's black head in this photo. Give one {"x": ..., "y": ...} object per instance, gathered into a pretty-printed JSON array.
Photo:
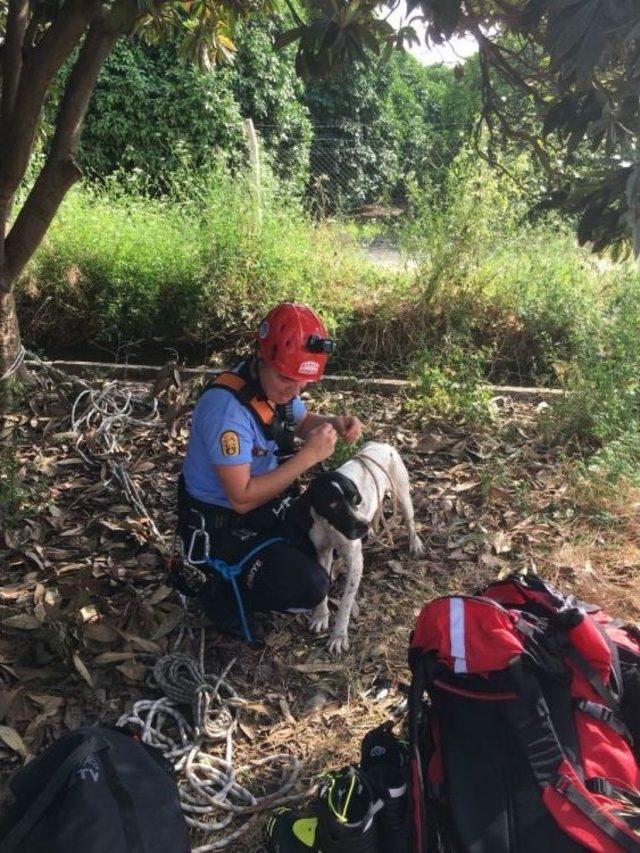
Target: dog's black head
[{"x": 334, "y": 497}]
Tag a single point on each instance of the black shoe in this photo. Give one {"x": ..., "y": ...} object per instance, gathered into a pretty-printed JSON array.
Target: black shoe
[
  {"x": 290, "y": 831},
  {"x": 346, "y": 807},
  {"x": 341, "y": 820},
  {"x": 385, "y": 763}
]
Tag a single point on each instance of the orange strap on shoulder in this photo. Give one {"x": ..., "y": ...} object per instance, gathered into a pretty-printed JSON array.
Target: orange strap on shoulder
[{"x": 236, "y": 383}]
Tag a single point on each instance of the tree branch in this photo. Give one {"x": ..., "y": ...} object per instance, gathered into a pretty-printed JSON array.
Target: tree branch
[
  {"x": 81, "y": 83},
  {"x": 37, "y": 74},
  {"x": 61, "y": 170},
  {"x": 17, "y": 20}
]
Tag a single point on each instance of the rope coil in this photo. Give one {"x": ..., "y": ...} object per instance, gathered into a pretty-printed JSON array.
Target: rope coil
[
  {"x": 98, "y": 419},
  {"x": 211, "y": 793}
]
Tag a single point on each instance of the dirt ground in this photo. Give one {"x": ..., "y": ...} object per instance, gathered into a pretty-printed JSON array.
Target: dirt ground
[{"x": 85, "y": 611}]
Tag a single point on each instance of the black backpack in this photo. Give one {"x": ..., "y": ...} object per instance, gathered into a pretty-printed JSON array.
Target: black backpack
[{"x": 96, "y": 790}]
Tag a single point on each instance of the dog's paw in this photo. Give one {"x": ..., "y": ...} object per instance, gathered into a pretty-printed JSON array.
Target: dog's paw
[
  {"x": 416, "y": 546},
  {"x": 319, "y": 619},
  {"x": 338, "y": 643},
  {"x": 318, "y": 626}
]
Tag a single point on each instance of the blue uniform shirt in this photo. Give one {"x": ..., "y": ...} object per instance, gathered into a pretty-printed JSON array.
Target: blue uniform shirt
[{"x": 224, "y": 432}]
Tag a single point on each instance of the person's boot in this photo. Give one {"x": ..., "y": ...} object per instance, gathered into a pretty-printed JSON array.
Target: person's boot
[
  {"x": 346, "y": 807},
  {"x": 219, "y": 603},
  {"x": 384, "y": 762}
]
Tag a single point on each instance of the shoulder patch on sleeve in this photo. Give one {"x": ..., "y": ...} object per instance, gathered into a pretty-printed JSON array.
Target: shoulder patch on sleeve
[{"x": 230, "y": 443}]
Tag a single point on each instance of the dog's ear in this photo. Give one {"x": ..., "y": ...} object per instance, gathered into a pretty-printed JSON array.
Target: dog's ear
[{"x": 351, "y": 491}]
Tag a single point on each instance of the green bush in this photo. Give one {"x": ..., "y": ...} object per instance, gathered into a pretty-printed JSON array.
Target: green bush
[
  {"x": 448, "y": 383},
  {"x": 151, "y": 113},
  {"x": 154, "y": 114},
  {"x": 601, "y": 411},
  {"x": 268, "y": 91},
  {"x": 355, "y": 143},
  {"x": 433, "y": 114},
  {"x": 486, "y": 271},
  {"x": 524, "y": 304},
  {"x": 382, "y": 124}
]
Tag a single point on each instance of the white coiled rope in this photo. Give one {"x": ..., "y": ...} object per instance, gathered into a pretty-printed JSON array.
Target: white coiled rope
[
  {"x": 211, "y": 793},
  {"x": 98, "y": 419}
]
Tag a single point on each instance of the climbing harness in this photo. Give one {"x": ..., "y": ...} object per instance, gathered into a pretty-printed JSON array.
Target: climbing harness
[{"x": 228, "y": 571}]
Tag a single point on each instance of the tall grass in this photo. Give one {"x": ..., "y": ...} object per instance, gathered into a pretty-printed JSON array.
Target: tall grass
[{"x": 200, "y": 264}]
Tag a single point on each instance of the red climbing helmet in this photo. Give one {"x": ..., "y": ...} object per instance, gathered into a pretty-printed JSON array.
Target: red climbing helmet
[{"x": 293, "y": 339}]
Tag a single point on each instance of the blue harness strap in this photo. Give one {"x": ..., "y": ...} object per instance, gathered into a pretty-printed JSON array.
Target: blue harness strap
[{"x": 230, "y": 573}]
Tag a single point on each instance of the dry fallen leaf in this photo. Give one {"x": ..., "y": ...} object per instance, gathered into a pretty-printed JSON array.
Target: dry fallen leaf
[
  {"x": 160, "y": 594},
  {"x": 82, "y": 669},
  {"x": 13, "y": 740},
  {"x": 141, "y": 643},
  {"x": 133, "y": 671},
  {"x": 500, "y": 542},
  {"x": 168, "y": 624},
  {"x": 286, "y": 711},
  {"x": 111, "y": 657},
  {"x": 23, "y": 621},
  {"x": 319, "y": 666},
  {"x": 100, "y": 632}
]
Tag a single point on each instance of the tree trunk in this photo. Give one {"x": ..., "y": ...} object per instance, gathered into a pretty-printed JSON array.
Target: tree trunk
[
  {"x": 10, "y": 344},
  {"x": 9, "y": 330}
]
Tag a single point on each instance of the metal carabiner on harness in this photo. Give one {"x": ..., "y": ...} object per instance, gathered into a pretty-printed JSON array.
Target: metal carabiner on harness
[
  {"x": 282, "y": 507},
  {"x": 198, "y": 535}
]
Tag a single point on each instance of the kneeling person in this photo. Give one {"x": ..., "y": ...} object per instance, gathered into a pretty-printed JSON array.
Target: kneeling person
[{"x": 242, "y": 465}]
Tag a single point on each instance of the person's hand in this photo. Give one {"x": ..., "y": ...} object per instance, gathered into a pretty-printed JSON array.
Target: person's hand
[
  {"x": 349, "y": 428},
  {"x": 320, "y": 443}
]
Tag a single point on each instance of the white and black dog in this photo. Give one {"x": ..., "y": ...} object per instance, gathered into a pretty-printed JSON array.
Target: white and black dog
[{"x": 338, "y": 508}]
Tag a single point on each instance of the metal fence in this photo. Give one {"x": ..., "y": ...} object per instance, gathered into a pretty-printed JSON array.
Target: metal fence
[{"x": 347, "y": 171}]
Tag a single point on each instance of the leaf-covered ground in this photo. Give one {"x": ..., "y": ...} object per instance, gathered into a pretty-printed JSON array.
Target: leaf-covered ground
[{"x": 85, "y": 611}]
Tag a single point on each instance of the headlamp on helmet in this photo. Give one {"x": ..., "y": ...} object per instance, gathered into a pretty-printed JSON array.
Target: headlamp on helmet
[{"x": 316, "y": 343}]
